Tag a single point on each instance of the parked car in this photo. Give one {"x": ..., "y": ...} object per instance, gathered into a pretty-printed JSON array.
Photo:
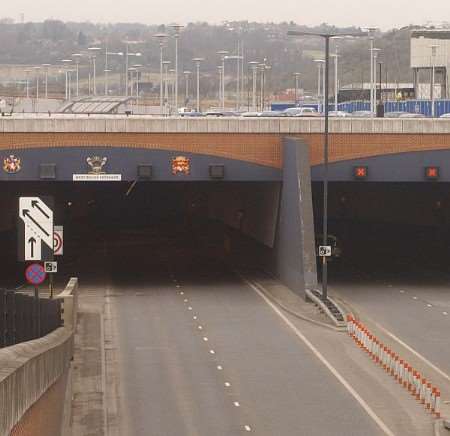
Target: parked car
[
  {"x": 412, "y": 115},
  {"x": 250, "y": 114},
  {"x": 338, "y": 114},
  {"x": 272, "y": 114},
  {"x": 445, "y": 115},
  {"x": 361, "y": 114},
  {"x": 301, "y": 112},
  {"x": 395, "y": 114}
]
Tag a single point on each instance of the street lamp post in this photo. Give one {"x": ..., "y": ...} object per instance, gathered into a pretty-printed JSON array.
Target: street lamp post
[
  {"x": 198, "y": 62},
  {"x": 177, "y": 29},
  {"x": 223, "y": 54},
  {"x": 186, "y": 78},
  {"x": 46, "y": 66},
  {"x": 320, "y": 79},
  {"x": 297, "y": 78},
  {"x": 162, "y": 37},
  {"x": 254, "y": 67},
  {"x": 27, "y": 83},
  {"x": 67, "y": 62},
  {"x": 336, "y": 78},
  {"x": 36, "y": 107},
  {"x": 238, "y": 58},
  {"x": 77, "y": 57},
  {"x": 375, "y": 52},
  {"x": 166, "y": 86},
  {"x": 127, "y": 55},
  {"x": 94, "y": 73},
  {"x": 433, "y": 71},
  {"x": 327, "y": 37},
  {"x": 137, "y": 67},
  {"x": 108, "y": 70},
  {"x": 371, "y": 33}
]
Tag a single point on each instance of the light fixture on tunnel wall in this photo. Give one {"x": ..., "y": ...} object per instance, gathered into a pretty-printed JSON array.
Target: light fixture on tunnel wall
[
  {"x": 47, "y": 171},
  {"x": 144, "y": 172},
  {"x": 432, "y": 173},
  {"x": 217, "y": 171},
  {"x": 360, "y": 172}
]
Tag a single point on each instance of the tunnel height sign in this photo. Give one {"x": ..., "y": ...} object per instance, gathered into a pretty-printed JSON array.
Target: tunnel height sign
[{"x": 35, "y": 229}]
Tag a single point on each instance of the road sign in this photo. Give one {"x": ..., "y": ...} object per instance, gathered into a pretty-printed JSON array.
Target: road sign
[
  {"x": 51, "y": 267},
  {"x": 325, "y": 251},
  {"x": 58, "y": 241},
  {"x": 35, "y": 274},
  {"x": 35, "y": 228}
]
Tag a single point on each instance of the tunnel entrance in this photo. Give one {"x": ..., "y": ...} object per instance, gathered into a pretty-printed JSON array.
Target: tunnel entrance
[
  {"x": 387, "y": 228},
  {"x": 131, "y": 226}
]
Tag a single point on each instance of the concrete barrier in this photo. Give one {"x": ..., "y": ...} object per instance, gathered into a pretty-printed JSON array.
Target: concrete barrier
[{"x": 36, "y": 371}]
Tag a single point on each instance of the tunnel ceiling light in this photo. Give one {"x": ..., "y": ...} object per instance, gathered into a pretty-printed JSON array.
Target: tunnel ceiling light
[
  {"x": 432, "y": 173},
  {"x": 217, "y": 171},
  {"x": 360, "y": 172},
  {"x": 144, "y": 172}
]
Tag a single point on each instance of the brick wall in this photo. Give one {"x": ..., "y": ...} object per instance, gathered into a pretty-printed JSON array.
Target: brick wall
[{"x": 44, "y": 418}]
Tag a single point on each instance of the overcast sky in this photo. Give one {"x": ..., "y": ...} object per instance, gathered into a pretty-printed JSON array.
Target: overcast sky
[{"x": 379, "y": 13}]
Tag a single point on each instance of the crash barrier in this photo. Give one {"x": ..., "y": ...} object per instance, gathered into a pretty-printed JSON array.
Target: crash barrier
[
  {"x": 395, "y": 366},
  {"x": 24, "y": 317},
  {"x": 32, "y": 376}
]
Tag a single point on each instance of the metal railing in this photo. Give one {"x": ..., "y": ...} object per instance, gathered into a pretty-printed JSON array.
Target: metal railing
[{"x": 24, "y": 317}]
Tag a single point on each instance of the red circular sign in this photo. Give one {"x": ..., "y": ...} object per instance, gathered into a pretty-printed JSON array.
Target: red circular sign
[{"x": 35, "y": 274}]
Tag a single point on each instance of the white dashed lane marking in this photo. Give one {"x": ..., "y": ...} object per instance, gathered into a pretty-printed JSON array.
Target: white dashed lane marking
[
  {"x": 227, "y": 384},
  {"x": 219, "y": 367},
  {"x": 247, "y": 428},
  {"x": 236, "y": 404},
  {"x": 212, "y": 352}
]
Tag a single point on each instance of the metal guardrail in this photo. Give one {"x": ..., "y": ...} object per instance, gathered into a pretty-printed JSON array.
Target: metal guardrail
[{"x": 24, "y": 317}]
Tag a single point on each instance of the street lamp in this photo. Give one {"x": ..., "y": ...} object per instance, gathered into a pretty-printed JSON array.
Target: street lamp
[
  {"x": 162, "y": 37},
  {"x": 297, "y": 78},
  {"x": 375, "y": 52},
  {"x": 67, "y": 62},
  {"x": 327, "y": 37},
  {"x": 77, "y": 57},
  {"x": 137, "y": 66},
  {"x": 127, "y": 55},
  {"x": 254, "y": 68},
  {"x": 107, "y": 70},
  {"x": 186, "y": 78},
  {"x": 46, "y": 66},
  {"x": 238, "y": 58},
  {"x": 198, "y": 62},
  {"x": 93, "y": 57},
  {"x": 36, "y": 107},
  {"x": 219, "y": 69},
  {"x": 131, "y": 70},
  {"x": 177, "y": 29},
  {"x": 336, "y": 78},
  {"x": 166, "y": 85},
  {"x": 371, "y": 33},
  {"x": 27, "y": 86},
  {"x": 320, "y": 84},
  {"x": 223, "y": 54},
  {"x": 434, "y": 48}
]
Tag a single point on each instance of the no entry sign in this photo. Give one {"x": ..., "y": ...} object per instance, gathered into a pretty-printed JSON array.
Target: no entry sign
[{"x": 35, "y": 274}]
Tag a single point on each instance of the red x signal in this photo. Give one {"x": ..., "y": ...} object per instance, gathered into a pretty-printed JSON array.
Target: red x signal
[
  {"x": 432, "y": 173},
  {"x": 360, "y": 172}
]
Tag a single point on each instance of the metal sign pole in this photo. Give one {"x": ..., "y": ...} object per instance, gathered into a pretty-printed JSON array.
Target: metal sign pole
[
  {"x": 38, "y": 313},
  {"x": 51, "y": 287}
]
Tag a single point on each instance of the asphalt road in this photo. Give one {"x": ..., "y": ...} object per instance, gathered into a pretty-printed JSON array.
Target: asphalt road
[{"x": 202, "y": 354}]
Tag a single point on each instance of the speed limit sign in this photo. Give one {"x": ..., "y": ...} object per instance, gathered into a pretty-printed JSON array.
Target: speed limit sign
[
  {"x": 58, "y": 240},
  {"x": 325, "y": 251}
]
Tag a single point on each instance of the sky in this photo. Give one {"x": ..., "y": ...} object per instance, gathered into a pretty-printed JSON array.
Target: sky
[{"x": 385, "y": 14}]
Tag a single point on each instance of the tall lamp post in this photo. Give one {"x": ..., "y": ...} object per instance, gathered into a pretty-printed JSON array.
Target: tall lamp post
[
  {"x": 77, "y": 57},
  {"x": 46, "y": 66},
  {"x": 223, "y": 54},
  {"x": 433, "y": 72},
  {"x": 67, "y": 62},
  {"x": 94, "y": 50},
  {"x": 297, "y": 79},
  {"x": 162, "y": 37},
  {"x": 186, "y": 78},
  {"x": 371, "y": 33},
  {"x": 177, "y": 29},
  {"x": 198, "y": 62},
  {"x": 27, "y": 83},
  {"x": 108, "y": 70},
  {"x": 127, "y": 56},
  {"x": 37, "y": 70},
  {"x": 166, "y": 86},
  {"x": 335, "y": 55},
  {"x": 254, "y": 68},
  {"x": 320, "y": 81},
  {"x": 327, "y": 37},
  {"x": 138, "y": 71}
]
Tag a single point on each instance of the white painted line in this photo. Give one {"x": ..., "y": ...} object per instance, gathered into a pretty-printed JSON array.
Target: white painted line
[
  {"x": 227, "y": 384},
  {"x": 247, "y": 428},
  {"x": 212, "y": 352},
  {"x": 178, "y": 286},
  {"x": 194, "y": 317},
  {"x": 429, "y": 305},
  {"x": 181, "y": 293},
  {"x": 402, "y": 291},
  {"x": 190, "y": 308},
  {"x": 220, "y": 367},
  {"x": 444, "y": 313},
  {"x": 236, "y": 404},
  {"x": 404, "y": 344},
  {"x": 200, "y": 327},
  {"x": 325, "y": 362},
  {"x": 186, "y": 300},
  {"x": 205, "y": 339},
  {"x": 414, "y": 298}
]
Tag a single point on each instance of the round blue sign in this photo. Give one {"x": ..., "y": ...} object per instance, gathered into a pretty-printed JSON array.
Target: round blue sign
[{"x": 35, "y": 274}]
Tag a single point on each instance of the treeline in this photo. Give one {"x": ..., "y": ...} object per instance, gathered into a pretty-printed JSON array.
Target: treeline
[{"x": 52, "y": 40}]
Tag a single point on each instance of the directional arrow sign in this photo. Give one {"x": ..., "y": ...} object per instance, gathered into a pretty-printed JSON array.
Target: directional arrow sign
[{"x": 35, "y": 229}]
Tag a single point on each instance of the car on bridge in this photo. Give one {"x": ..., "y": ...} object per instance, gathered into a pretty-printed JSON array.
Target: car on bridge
[{"x": 301, "y": 112}]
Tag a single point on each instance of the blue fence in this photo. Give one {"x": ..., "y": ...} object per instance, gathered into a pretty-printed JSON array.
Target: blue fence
[{"x": 413, "y": 106}]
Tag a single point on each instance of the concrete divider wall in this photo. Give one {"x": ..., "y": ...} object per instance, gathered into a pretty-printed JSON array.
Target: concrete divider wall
[{"x": 33, "y": 377}]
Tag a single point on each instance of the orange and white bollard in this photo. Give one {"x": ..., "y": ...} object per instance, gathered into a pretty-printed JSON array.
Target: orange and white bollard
[
  {"x": 423, "y": 391},
  {"x": 437, "y": 404},
  {"x": 428, "y": 396},
  {"x": 405, "y": 375},
  {"x": 401, "y": 371}
]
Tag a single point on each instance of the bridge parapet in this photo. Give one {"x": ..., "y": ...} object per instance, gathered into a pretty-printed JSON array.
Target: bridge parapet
[{"x": 284, "y": 126}]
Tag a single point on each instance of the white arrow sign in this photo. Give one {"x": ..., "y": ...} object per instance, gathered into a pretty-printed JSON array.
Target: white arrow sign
[{"x": 38, "y": 223}]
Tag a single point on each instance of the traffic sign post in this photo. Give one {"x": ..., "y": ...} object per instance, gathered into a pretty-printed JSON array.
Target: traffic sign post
[
  {"x": 325, "y": 251},
  {"x": 35, "y": 275},
  {"x": 35, "y": 229}
]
